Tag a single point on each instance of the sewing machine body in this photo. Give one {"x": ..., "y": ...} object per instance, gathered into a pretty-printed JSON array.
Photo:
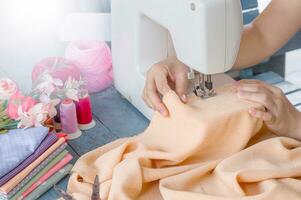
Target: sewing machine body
[{"x": 205, "y": 35}]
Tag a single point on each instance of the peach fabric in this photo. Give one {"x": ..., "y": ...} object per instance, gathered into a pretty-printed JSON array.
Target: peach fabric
[
  {"x": 206, "y": 150},
  {"x": 7, "y": 187}
]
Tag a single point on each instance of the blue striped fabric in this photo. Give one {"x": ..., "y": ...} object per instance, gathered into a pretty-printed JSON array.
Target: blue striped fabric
[
  {"x": 17, "y": 145},
  {"x": 47, "y": 142}
]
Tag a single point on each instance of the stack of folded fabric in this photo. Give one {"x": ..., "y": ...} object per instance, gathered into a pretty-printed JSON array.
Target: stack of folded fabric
[{"x": 31, "y": 162}]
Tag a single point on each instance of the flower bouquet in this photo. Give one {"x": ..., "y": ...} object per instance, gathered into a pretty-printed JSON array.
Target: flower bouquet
[{"x": 38, "y": 108}]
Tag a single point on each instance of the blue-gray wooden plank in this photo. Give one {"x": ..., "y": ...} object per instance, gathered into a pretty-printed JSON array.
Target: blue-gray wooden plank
[
  {"x": 287, "y": 87},
  {"x": 295, "y": 98},
  {"x": 250, "y": 16},
  {"x": 269, "y": 77},
  {"x": 117, "y": 114},
  {"x": 92, "y": 139},
  {"x": 248, "y": 4}
]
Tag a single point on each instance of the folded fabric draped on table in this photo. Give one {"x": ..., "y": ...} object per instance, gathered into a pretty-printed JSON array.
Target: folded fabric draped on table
[
  {"x": 49, "y": 140},
  {"x": 206, "y": 149},
  {"x": 48, "y": 174},
  {"x": 35, "y": 179},
  {"x": 47, "y": 160},
  {"x": 50, "y": 182},
  {"x": 34, "y": 172},
  {"x": 17, "y": 145}
]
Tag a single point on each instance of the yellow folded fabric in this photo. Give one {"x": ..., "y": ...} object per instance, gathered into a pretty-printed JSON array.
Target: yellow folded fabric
[
  {"x": 206, "y": 150},
  {"x": 7, "y": 187}
]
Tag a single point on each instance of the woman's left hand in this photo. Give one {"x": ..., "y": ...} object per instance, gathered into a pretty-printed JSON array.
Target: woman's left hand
[{"x": 280, "y": 115}]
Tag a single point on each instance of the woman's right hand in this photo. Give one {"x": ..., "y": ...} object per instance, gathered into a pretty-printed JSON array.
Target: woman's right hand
[{"x": 170, "y": 74}]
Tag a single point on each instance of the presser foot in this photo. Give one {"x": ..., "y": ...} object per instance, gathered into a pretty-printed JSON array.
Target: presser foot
[
  {"x": 204, "y": 87},
  {"x": 204, "y": 93}
]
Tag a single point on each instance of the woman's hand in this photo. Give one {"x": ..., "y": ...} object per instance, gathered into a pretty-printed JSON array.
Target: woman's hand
[
  {"x": 169, "y": 74},
  {"x": 280, "y": 115}
]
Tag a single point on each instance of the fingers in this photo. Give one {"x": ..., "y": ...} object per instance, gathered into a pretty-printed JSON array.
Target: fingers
[
  {"x": 146, "y": 99},
  {"x": 181, "y": 86},
  {"x": 255, "y": 85},
  {"x": 155, "y": 86},
  {"x": 265, "y": 116},
  {"x": 263, "y": 98},
  {"x": 161, "y": 82},
  {"x": 258, "y": 92},
  {"x": 250, "y": 81},
  {"x": 249, "y": 87},
  {"x": 152, "y": 98}
]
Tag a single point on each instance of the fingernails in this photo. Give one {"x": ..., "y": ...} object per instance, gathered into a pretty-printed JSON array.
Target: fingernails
[
  {"x": 236, "y": 83},
  {"x": 184, "y": 98},
  {"x": 235, "y": 86},
  {"x": 162, "y": 111},
  {"x": 252, "y": 111},
  {"x": 240, "y": 94}
]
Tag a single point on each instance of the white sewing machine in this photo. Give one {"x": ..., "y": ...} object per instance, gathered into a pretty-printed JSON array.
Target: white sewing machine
[{"x": 204, "y": 33}]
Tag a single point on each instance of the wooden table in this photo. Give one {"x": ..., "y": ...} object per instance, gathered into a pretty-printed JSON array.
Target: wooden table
[{"x": 116, "y": 118}]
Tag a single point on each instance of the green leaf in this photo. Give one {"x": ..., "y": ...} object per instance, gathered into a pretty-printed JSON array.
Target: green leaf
[
  {"x": 10, "y": 125},
  {"x": 5, "y": 104}
]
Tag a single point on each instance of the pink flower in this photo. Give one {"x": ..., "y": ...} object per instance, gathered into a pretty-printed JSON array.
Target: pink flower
[
  {"x": 34, "y": 117},
  {"x": 18, "y": 100},
  {"x": 48, "y": 85},
  {"x": 50, "y": 106},
  {"x": 72, "y": 87},
  {"x": 7, "y": 88},
  {"x": 38, "y": 113}
]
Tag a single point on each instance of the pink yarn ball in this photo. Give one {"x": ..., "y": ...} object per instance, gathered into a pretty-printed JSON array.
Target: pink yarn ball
[
  {"x": 95, "y": 61},
  {"x": 57, "y": 67}
]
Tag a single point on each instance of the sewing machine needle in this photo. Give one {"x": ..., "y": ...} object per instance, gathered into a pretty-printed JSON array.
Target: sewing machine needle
[{"x": 208, "y": 82}]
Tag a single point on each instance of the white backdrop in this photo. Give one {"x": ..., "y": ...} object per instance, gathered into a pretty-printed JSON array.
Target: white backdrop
[{"x": 29, "y": 32}]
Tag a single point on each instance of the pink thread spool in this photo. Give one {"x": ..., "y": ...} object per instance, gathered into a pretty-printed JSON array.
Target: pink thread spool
[
  {"x": 84, "y": 111},
  {"x": 69, "y": 119}
]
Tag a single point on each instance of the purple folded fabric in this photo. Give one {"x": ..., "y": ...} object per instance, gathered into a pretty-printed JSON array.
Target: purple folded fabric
[{"x": 47, "y": 142}]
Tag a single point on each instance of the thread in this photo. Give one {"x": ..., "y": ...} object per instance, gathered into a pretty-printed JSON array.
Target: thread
[
  {"x": 69, "y": 119},
  {"x": 84, "y": 111},
  {"x": 58, "y": 67},
  {"x": 83, "y": 108},
  {"x": 95, "y": 63}
]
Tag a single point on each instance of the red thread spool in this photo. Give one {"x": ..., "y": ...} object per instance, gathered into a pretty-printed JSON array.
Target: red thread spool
[{"x": 84, "y": 111}]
